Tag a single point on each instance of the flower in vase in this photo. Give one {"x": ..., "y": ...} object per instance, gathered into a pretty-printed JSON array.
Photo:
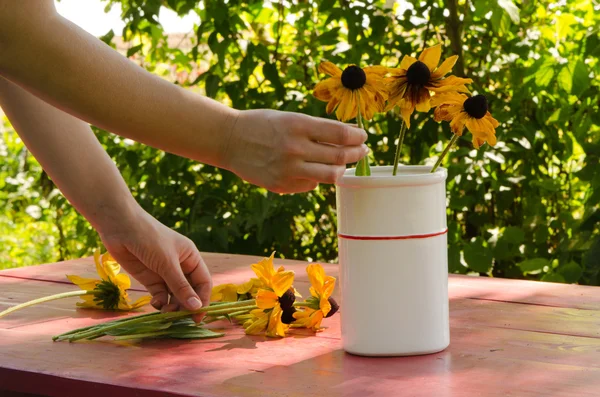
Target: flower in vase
[
  {"x": 110, "y": 292},
  {"x": 409, "y": 85},
  {"x": 276, "y": 297},
  {"x": 320, "y": 305},
  {"x": 346, "y": 89},
  {"x": 471, "y": 112},
  {"x": 235, "y": 292}
]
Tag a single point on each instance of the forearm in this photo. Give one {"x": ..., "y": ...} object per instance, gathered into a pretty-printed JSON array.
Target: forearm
[
  {"x": 74, "y": 71},
  {"x": 70, "y": 153}
]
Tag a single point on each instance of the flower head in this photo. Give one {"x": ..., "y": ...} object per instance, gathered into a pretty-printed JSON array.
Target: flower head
[
  {"x": 235, "y": 292},
  {"x": 471, "y": 112},
  {"x": 321, "y": 304},
  {"x": 110, "y": 292},
  {"x": 353, "y": 86},
  {"x": 276, "y": 296},
  {"x": 409, "y": 85}
]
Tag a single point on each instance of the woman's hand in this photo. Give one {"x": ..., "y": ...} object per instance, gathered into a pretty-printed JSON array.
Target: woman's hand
[
  {"x": 290, "y": 152},
  {"x": 168, "y": 264}
]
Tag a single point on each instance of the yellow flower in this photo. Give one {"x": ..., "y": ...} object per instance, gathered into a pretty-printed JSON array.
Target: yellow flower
[
  {"x": 276, "y": 296},
  {"x": 410, "y": 84},
  {"x": 321, "y": 304},
  {"x": 462, "y": 111},
  {"x": 110, "y": 292},
  {"x": 233, "y": 293},
  {"x": 344, "y": 89}
]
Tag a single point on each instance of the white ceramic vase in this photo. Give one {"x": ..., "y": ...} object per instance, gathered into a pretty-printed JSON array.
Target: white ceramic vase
[{"x": 393, "y": 254}]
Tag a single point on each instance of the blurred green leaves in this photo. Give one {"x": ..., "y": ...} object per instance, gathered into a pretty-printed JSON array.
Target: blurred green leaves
[{"x": 528, "y": 208}]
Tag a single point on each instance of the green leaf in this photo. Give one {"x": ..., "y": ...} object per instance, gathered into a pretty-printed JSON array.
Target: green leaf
[
  {"x": 193, "y": 333},
  {"x": 544, "y": 74},
  {"x": 362, "y": 167},
  {"x": 513, "y": 234},
  {"x": 272, "y": 74},
  {"x": 574, "y": 78},
  {"x": 511, "y": 9},
  {"x": 330, "y": 37},
  {"x": 107, "y": 38},
  {"x": 134, "y": 50},
  {"x": 533, "y": 266},
  {"x": 326, "y": 5},
  {"x": 553, "y": 278},
  {"x": 478, "y": 257},
  {"x": 454, "y": 264},
  {"x": 212, "y": 85},
  {"x": 571, "y": 272}
]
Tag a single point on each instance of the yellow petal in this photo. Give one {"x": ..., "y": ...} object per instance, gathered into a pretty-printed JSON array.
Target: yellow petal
[
  {"x": 244, "y": 288},
  {"x": 89, "y": 303},
  {"x": 264, "y": 270},
  {"x": 492, "y": 120},
  {"x": 330, "y": 69},
  {"x": 276, "y": 328},
  {"x": 257, "y": 326},
  {"x": 325, "y": 306},
  {"x": 345, "y": 106},
  {"x": 328, "y": 287},
  {"x": 86, "y": 284},
  {"x": 110, "y": 266},
  {"x": 407, "y": 60},
  {"x": 450, "y": 83},
  {"x": 446, "y": 112},
  {"x": 448, "y": 97},
  {"x": 316, "y": 276},
  {"x": 224, "y": 293},
  {"x": 266, "y": 299},
  {"x": 99, "y": 267},
  {"x": 122, "y": 280},
  {"x": 423, "y": 105},
  {"x": 406, "y": 110},
  {"x": 144, "y": 300},
  {"x": 378, "y": 71},
  {"x": 431, "y": 56},
  {"x": 445, "y": 67},
  {"x": 282, "y": 281},
  {"x": 458, "y": 123}
]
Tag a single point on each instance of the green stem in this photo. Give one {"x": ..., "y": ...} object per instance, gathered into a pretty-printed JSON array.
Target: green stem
[
  {"x": 399, "y": 147},
  {"x": 362, "y": 167},
  {"x": 213, "y": 310},
  {"x": 142, "y": 336},
  {"x": 444, "y": 153},
  {"x": 45, "y": 299},
  {"x": 78, "y": 330}
]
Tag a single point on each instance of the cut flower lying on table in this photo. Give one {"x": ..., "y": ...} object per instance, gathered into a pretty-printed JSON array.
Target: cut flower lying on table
[{"x": 265, "y": 305}]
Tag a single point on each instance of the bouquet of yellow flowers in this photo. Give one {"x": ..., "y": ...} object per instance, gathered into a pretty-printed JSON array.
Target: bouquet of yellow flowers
[
  {"x": 418, "y": 84},
  {"x": 265, "y": 305}
]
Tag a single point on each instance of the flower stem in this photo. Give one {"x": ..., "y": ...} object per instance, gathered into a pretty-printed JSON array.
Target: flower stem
[
  {"x": 399, "y": 147},
  {"x": 362, "y": 167},
  {"x": 101, "y": 329},
  {"x": 45, "y": 299},
  {"x": 445, "y": 152}
]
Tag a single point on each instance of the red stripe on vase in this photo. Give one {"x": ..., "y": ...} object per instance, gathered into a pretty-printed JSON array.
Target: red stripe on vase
[{"x": 407, "y": 237}]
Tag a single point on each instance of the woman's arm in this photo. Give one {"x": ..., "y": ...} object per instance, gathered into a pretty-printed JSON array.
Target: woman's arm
[
  {"x": 72, "y": 70},
  {"x": 70, "y": 153}
]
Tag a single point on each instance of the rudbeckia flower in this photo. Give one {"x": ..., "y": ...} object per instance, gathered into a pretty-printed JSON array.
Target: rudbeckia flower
[
  {"x": 344, "y": 90},
  {"x": 321, "y": 305},
  {"x": 234, "y": 292},
  {"x": 471, "y": 112},
  {"x": 409, "y": 85},
  {"x": 276, "y": 296},
  {"x": 110, "y": 292}
]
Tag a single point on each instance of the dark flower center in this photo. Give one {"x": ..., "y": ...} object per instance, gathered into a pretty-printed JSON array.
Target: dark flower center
[
  {"x": 418, "y": 74},
  {"x": 287, "y": 300},
  {"x": 476, "y": 106},
  {"x": 334, "y": 307},
  {"x": 353, "y": 77},
  {"x": 287, "y": 317},
  {"x": 107, "y": 294}
]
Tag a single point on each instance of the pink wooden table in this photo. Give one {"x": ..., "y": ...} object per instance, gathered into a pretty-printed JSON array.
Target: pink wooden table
[{"x": 508, "y": 338}]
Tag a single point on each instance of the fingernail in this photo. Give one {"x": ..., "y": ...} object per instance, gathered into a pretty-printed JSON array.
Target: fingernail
[
  {"x": 365, "y": 135},
  {"x": 365, "y": 148},
  {"x": 194, "y": 303},
  {"x": 156, "y": 303}
]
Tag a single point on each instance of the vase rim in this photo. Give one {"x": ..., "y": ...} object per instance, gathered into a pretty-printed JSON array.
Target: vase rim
[{"x": 381, "y": 176}]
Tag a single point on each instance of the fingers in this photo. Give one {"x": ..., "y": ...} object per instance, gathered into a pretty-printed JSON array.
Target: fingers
[
  {"x": 322, "y": 173},
  {"x": 330, "y": 131},
  {"x": 297, "y": 186},
  {"x": 337, "y": 155},
  {"x": 197, "y": 273},
  {"x": 179, "y": 285}
]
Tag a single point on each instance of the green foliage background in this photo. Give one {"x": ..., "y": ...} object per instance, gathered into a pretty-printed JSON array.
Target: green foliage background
[{"x": 528, "y": 208}]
